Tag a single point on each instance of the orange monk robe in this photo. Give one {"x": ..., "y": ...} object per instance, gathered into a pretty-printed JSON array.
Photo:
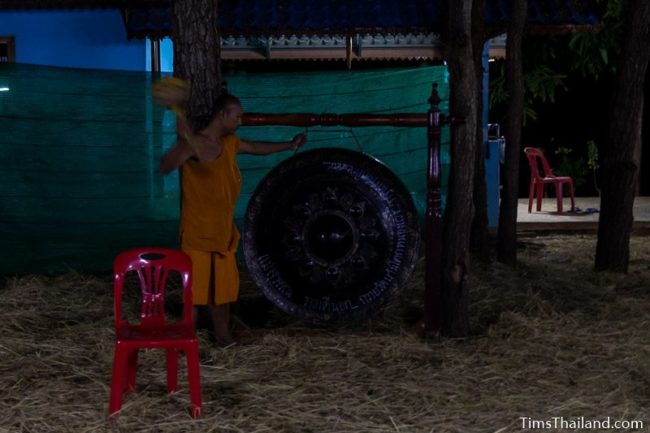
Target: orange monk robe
[{"x": 208, "y": 232}]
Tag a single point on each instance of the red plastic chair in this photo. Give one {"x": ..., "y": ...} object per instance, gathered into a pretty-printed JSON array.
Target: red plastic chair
[
  {"x": 152, "y": 267},
  {"x": 537, "y": 181}
]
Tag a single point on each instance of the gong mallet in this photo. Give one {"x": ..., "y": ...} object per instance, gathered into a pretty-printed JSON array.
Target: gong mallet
[{"x": 173, "y": 93}]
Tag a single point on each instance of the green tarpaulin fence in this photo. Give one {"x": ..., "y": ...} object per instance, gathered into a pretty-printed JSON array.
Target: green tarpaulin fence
[{"x": 79, "y": 152}]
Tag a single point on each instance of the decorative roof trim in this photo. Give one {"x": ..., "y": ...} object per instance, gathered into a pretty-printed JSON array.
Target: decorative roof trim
[
  {"x": 351, "y": 48},
  {"x": 328, "y": 47}
]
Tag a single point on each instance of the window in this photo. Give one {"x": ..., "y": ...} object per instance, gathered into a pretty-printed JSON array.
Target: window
[{"x": 7, "y": 49}]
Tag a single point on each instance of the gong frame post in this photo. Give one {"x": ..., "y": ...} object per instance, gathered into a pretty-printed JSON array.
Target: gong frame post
[{"x": 433, "y": 220}]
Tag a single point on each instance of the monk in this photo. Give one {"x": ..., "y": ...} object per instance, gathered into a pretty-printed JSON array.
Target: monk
[{"x": 210, "y": 182}]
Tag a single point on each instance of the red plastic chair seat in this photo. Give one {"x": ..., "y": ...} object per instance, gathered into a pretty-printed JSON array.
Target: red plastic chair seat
[
  {"x": 538, "y": 182},
  {"x": 153, "y": 267}
]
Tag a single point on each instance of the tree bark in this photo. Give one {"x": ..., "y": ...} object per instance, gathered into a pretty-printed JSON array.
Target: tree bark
[
  {"x": 460, "y": 208},
  {"x": 507, "y": 237},
  {"x": 479, "y": 241},
  {"x": 621, "y": 159},
  {"x": 197, "y": 55}
]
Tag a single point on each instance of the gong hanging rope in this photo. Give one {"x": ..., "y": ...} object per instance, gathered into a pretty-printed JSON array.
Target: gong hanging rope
[{"x": 346, "y": 130}]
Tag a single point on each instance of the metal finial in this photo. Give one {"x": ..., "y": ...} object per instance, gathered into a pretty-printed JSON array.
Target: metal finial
[{"x": 434, "y": 99}]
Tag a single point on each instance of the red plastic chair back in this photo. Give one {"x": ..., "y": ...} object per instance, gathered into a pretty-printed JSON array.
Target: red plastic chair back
[
  {"x": 153, "y": 267},
  {"x": 536, "y": 157}
]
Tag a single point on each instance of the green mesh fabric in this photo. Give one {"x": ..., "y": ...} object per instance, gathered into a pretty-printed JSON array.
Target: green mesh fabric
[{"x": 79, "y": 152}]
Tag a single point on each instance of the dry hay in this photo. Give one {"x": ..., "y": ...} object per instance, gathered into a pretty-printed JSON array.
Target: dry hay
[{"x": 551, "y": 339}]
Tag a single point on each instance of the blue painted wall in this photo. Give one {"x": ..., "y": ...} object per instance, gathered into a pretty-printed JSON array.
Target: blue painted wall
[{"x": 74, "y": 38}]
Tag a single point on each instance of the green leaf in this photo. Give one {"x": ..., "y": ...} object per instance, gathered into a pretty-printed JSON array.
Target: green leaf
[{"x": 604, "y": 55}]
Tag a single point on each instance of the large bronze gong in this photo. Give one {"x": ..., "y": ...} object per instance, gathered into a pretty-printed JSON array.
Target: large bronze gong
[{"x": 331, "y": 235}]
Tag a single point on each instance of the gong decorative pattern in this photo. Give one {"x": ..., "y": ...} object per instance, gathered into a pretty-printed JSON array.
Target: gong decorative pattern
[{"x": 331, "y": 235}]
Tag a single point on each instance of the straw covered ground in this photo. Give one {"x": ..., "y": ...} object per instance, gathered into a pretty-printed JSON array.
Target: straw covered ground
[{"x": 550, "y": 339}]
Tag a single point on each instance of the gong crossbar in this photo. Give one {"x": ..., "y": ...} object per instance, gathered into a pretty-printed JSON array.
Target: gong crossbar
[
  {"x": 433, "y": 120},
  {"x": 331, "y": 119}
]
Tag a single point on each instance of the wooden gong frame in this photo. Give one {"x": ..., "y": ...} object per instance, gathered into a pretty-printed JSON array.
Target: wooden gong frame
[{"x": 433, "y": 120}]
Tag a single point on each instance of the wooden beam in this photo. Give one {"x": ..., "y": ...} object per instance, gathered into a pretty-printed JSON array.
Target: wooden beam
[{"x": 330, "y": 119}]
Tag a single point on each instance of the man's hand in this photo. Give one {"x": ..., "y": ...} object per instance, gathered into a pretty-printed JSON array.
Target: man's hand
[{"x": 298, "y": 141}]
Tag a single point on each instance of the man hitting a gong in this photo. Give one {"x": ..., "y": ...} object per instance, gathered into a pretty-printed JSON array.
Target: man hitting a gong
[{"x": 211, "y": 181}]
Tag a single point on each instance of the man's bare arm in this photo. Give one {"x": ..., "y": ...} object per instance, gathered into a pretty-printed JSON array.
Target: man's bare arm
[
  {"x": 268, "y": 147},
  {"x": 175, "y": 157}
]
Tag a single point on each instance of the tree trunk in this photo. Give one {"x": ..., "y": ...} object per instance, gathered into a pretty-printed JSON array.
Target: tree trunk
[
  {"x": 507, "y": 238},
  {"x": 621, "y": 162},
  {"x": 459, "y": 209},
  {"x": 479, "y": 240},
  {"x": 197, "y": 55}
]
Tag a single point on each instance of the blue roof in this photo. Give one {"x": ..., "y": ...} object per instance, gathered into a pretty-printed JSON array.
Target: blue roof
[
  {"x": 341, "y": 16},
  {"x": 267, "y": 15}
]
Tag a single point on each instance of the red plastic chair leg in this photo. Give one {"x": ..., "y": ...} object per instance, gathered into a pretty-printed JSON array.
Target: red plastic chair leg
[
  {"x": 118, "y": 382},
  {"x": 559, "y": 196},
  {"x": 194, "y": 379},
  {"x": 131, "y": 370},
  {"x": 172, "y": 370},
  {"x": 540, "y": 194},
  {"x": 531, "y": 194},
  {"x": 196, "y": 412}
]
